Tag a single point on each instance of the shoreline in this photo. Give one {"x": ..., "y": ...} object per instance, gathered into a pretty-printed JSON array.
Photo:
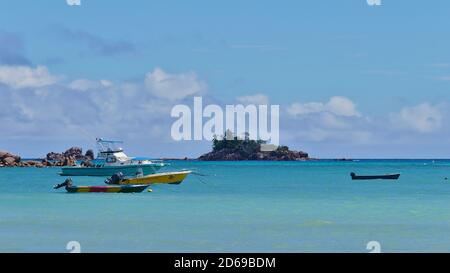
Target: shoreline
[{"x": 74, "y": 156}]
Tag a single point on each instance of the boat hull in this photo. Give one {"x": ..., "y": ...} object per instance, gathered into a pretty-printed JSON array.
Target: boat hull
[
  {"x": 158, "y": 178},
  {"x": 107, "y": 189},
  {"x": 372, "y": 177},
  {"x": 129, "y": 170}
]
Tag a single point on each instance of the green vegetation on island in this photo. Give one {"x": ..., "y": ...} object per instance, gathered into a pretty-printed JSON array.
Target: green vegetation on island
[{"x": 230, "y": 147}]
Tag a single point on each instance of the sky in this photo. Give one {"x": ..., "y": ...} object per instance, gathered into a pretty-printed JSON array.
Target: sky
[{"x": 352, "y": 80}]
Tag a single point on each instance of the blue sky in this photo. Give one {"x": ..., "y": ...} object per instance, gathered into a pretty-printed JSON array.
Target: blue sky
[{"x": 389, "y": 64}]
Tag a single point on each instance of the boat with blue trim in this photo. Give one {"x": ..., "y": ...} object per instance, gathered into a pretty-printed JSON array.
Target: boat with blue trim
[{"x": 110, "y": 160}]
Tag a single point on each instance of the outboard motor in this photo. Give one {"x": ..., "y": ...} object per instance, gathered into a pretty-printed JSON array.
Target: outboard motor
[
  {"x": 115, "y": 178},
  {"x": 66, "y": 183}
]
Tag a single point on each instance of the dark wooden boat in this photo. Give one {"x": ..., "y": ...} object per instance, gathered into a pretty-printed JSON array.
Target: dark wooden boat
[{"x": 392, "y": 176}]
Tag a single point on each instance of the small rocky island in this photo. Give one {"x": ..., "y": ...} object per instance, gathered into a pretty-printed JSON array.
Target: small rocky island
[
  {"x": 70, "y": 156},
  {"x": 67, "y": 158},
  {"x": 7, "y": 159},
  {"x": 235, "y": 149}
]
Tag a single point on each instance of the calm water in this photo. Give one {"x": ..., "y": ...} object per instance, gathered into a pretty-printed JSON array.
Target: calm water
[{"x": 236, "y": 207}]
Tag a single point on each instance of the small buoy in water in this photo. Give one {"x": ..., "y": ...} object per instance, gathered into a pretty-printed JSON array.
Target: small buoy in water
[
  {"x": 445, "y": 178},
  {"x": 150, "y": 190}
]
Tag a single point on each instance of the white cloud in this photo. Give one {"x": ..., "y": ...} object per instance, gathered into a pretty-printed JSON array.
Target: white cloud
[
  {"x": 19, "y": 77},
  {"x": 300, "y": 109},
  {"x": 140, "y": 111},
  {"x": 336, "y": 120},
  {"x": 106, "y": 83},
  {"x": 355, "y": 137},
  {"x": 339, "y": 106},
  {"x": 342, "y": 106},
  {"x": 173, "y": 86},
  {"x": 84, "y": 85},
  {"x": 85, "y": 109},
  {"x": 332, "y": 121},
  {"x": 257, "y": 99},
  {"x": 423, "y": 118}
]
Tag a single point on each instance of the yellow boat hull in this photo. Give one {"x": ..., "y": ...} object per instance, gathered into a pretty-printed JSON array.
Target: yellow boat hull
[{"x": 158, "y": 178}]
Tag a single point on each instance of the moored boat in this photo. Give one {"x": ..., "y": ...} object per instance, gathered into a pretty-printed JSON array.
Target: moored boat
[
  {"x": 392, "y": 176},
  {"x": 110, "y": 160},
  {"x": 106, "y": 189},
  {"x": 158, "y": 178}
]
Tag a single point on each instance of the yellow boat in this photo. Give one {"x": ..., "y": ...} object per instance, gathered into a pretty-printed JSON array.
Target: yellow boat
[{"x": 158, "y": 178}]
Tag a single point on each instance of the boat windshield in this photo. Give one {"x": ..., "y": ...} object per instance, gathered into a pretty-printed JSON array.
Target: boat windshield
[{"x": 109, "y": 145}]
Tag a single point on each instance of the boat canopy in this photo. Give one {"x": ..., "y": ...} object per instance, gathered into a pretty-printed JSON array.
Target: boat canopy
[
  {"x": 108, "y": 146},
  {"x": 142, "y": 158}
]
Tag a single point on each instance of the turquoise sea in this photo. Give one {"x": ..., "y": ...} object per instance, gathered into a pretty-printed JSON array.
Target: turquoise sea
[{"x": 236, "y": 207}]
